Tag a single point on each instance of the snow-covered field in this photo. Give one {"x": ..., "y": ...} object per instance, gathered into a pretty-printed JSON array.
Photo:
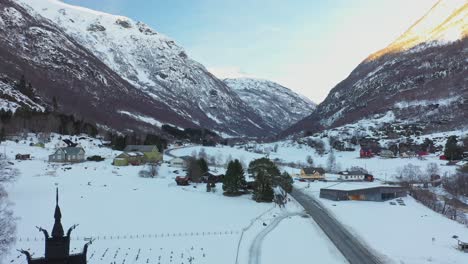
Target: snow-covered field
[
  {"x": 141, "y": 220},
  {"x": 401, "y": 234}
]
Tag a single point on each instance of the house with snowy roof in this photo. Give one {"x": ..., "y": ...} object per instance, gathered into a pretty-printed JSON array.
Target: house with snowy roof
[
  {"x": 68, "y": 154},
  {"x": 311, "y": 173}
]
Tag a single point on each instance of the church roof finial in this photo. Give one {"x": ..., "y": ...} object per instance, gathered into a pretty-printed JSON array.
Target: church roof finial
[{"x": 57, "y": 230}]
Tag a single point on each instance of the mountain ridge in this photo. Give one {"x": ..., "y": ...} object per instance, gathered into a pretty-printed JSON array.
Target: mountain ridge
[{"x": 421, "y": 74}]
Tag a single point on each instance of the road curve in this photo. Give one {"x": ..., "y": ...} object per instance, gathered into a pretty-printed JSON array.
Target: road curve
[
  {"x": 351, "y": 247},
  {"x": 255, "y": 249}
]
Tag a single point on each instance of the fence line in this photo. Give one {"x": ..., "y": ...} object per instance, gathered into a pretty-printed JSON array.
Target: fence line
[{"x": 139, "y": 236}]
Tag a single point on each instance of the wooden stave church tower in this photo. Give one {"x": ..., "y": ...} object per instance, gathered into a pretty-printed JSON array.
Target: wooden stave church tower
[{"x": 57, "y": 246}]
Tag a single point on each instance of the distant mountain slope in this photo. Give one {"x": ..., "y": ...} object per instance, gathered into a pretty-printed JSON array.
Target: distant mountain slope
[
  {"x": 157, "y": 67},
  {"x": 279, "y": 106},
  {"x": 422, "y": 77},
  {"x": 57, "y": 65}
]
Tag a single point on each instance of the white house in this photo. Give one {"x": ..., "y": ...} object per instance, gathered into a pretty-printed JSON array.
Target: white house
[{"x": 179, "y": 161}]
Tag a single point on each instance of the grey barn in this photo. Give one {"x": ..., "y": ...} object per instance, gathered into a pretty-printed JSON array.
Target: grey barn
[{"x": 378, "y": 194}]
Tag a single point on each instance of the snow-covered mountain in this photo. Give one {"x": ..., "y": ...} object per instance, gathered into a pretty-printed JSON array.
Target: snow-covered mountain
[
  {"x": 420, "y": 78},
  {"x": 155, "y": 65},
  {"x": 279, "y": 106}
]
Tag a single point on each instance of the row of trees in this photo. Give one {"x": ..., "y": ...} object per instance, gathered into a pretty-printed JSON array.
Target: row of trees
[
  {"x": 33, "y": 121},
  {"x": 120, "y": 141}
]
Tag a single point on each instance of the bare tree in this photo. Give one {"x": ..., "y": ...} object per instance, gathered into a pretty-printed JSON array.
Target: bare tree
[
  {"x": 331, "y": 162},
  {"x": 151, "y": 171},
  {"x": 410, "y": 173},
  {"x": 202, "y": 154},
  {"x": 432, "y": 169}
]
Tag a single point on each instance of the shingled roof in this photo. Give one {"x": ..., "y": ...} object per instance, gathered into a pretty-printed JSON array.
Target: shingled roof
[
  {"x": 139, "y": 148},
  {"x": 312, "y": 170}
]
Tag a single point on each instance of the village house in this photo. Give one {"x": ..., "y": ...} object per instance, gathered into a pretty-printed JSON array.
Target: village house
[
  {"x": 179, "y": 162},
  {"x": 151, "y": 152},
  {"x": 355, "y": 175},
  {"x": 366, "y": 153},
  {"x": 388, "y": 154},
  {"x": 68, "y": 154},
  {"x": 408, "y": 154},
  {"x": 129, "y": 158},
  {"x": 311, "y": 173},
  {"x": 137, "y": 155}
]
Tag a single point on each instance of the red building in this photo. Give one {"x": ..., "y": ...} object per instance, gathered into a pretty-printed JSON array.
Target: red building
[{"x": 366, "y": 153}]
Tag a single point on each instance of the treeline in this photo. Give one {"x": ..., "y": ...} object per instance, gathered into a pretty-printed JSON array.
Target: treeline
[
  {"x": 27, "y": 120},
  {"x": 120, "y": 141},
  {"x": 195, "y": 135}
]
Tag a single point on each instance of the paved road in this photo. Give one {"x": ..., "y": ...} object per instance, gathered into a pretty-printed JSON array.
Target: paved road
[
  {"x": 351, "y": 248},
  {"x": 255, "y": 250}
]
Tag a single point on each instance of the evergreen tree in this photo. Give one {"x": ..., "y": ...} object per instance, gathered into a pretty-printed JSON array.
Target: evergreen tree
[
  {"x": 452, "y": 150},
  {"x": 266, "y": 175},
  {"x": 265, "y": 165},
  {"x": 21, "y": 85},
  {"x": 54, "y": 104},
  {"x": 285, "y": 182},
  {"x": 263, "y": 191},
  {"x": 194, "y": 171},
  {"x": 2, "y": 134},
  {"x": 203, "y": 165},
  {"x": 234, "y": 179}
]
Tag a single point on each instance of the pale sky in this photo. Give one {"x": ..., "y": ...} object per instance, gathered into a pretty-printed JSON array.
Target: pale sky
[{"x": 306, "y": 45}]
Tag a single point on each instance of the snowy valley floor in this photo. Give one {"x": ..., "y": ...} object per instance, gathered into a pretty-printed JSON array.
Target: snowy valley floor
[{"x": 138, "y": 220}]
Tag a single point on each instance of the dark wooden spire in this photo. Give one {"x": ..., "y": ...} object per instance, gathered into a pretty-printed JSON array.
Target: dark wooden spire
[{"x": 57, "y": 230}]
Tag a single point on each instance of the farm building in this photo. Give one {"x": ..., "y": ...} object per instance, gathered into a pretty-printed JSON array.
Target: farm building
[
  {"x": 68, "y": 154},
  {"x": 151, "y": 152},
  {"x": 126, "y": 158},
  {"x": 311, "y": 173},
  {"x": 376, "y": 193}
]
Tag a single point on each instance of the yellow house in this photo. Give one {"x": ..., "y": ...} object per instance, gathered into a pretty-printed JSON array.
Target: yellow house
[
  {"x": 311, "y": 173},
  {"x": 151, "y": 152}
]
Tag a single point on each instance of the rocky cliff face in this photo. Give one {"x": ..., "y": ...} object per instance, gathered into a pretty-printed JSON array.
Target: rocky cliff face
[
  {"x": 421, "y": 77},
  {"x": 145, "y": 62},
  {"x": 279, "y": 106}
]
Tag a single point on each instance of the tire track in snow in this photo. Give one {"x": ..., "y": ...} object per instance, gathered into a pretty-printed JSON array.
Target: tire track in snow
[{"x": 255, "y": 249}]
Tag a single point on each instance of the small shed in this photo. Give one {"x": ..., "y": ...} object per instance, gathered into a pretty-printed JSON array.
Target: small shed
[{"x": 22, "y": 156}]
